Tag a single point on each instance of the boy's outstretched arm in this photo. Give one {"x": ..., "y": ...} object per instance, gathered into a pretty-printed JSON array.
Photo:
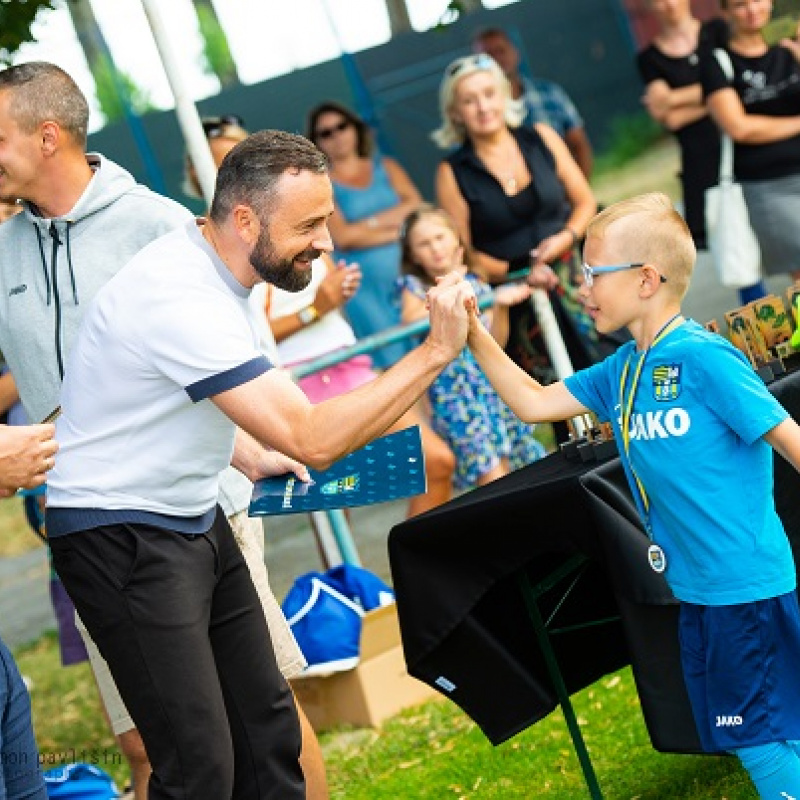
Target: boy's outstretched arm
[
  {"x": 527, "y": 398},
  {"x": 785, "y": 439}
]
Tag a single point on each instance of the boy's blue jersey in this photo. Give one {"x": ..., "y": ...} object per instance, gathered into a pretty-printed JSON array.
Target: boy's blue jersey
[{"x": 696, "y": 443}]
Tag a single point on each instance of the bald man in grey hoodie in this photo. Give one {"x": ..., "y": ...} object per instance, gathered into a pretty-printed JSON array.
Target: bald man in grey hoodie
[{"x": 83, "y": 219}]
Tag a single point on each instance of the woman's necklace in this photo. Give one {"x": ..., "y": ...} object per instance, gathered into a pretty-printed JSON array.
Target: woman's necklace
[
  {"x": 504, "y": 165},
  {"x": 508, "y": 176}
]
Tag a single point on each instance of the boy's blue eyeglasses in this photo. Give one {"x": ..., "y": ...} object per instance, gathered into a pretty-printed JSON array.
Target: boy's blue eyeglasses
[{"x": 590, "y": 272}]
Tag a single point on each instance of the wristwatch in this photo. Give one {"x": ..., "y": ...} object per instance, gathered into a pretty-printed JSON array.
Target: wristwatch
[{"x": 308, "y": 315}]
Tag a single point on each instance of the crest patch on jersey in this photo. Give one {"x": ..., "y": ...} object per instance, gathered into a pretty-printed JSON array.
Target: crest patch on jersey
[{"x": 666, "y": 382}]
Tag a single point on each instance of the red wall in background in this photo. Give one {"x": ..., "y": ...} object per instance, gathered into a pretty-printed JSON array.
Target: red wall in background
[{"x": 643, "y": 26}]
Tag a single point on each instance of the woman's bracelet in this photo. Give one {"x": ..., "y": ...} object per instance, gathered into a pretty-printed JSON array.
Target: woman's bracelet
[{"x": 572, "y": 232}]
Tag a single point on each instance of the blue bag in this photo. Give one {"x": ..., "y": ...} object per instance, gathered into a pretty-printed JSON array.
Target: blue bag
[
  {"x": 324, "y": 611},
  {"x": 360, "y": 585},
  {"x": 79, "y": 782}
]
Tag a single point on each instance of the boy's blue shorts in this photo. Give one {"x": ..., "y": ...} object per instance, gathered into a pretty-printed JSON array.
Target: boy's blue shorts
[{"x": 741, "y": 665}]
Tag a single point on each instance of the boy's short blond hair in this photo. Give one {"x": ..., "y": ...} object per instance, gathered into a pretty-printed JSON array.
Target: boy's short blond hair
[{"x": 654, "y": 233}]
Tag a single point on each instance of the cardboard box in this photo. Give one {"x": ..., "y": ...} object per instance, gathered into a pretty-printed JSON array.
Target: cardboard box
[{"x": 376, "y": 689}]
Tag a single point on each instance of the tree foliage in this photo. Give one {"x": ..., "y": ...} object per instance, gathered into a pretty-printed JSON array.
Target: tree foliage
[
  {"x": 454, "y": 10},
  {"x": 114, "y": 88},
  {"x": 16, "y": 19},
  {"x": 216, "y": 50}
]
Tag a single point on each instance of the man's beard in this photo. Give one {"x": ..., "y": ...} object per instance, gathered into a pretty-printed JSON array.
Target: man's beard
[{"x": 280, "y": 272}]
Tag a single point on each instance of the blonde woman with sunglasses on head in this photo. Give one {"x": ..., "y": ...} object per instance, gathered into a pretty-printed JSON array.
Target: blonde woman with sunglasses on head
[
  {"x": 512, "y": 190},
  {"x": 520, "y": 201}
]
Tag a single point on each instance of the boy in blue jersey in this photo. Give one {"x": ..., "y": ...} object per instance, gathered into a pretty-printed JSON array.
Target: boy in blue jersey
[{"x": 694, "y": 425}]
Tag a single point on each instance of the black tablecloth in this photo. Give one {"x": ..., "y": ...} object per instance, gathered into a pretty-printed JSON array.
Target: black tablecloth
[{"x": 465, "y": 627}]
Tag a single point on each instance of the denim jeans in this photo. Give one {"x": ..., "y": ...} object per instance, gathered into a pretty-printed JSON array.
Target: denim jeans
[{"x": 20, "y": 773}]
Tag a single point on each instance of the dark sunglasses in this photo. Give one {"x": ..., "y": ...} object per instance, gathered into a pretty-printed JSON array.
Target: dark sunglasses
[
  {"x": 479, "y": 61},
  {"x": 326, "y": 133},
  {"x": 215, "y": 126}
]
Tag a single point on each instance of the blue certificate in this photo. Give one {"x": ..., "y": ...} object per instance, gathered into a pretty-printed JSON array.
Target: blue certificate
[{"x": 389, "y": 468}]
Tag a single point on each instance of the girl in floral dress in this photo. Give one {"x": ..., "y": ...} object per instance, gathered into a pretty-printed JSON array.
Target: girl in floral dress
[{"x": 486, "y": 437}]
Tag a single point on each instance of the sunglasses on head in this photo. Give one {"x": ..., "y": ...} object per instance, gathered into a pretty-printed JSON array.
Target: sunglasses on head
[
  {"x": 479, "y": 61},
  {"x": 215, "y": 126},
  {"x": 326, "y": 133}
]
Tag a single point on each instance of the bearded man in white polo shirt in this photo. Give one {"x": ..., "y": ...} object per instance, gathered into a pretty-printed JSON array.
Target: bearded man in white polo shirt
[
  {"x": 164, "y": 368},
  {"x": 82, "y": 218}
]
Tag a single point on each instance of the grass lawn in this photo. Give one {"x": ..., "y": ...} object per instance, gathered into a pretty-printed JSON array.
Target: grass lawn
[
  {"x": 15, "y": 535},
  {"x": 432, "y": 752},
  {"x": 435, "y": 752}
]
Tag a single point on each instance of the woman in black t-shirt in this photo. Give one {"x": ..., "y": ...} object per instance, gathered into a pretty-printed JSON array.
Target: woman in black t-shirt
[
  {"x": 670, "y": 69},
  {"x": 760, "y": 111}
]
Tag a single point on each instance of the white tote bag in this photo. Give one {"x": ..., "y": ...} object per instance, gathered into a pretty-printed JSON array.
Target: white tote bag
[{"x": 731, "y": 240}]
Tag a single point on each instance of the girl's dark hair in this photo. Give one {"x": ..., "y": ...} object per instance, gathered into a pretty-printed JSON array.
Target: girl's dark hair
[
  {"x": 364, "y": 134},
  {"x": 407, "y": 264}
]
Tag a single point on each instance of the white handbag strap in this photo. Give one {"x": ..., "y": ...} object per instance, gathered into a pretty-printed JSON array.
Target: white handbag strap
[{"x": 726, "y": 143}]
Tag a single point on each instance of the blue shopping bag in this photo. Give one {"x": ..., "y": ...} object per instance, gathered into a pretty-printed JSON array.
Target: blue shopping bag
[
  {"x": 360, "y": 585},
  {"x": 324, "y": 611},
  {"x": 79, "y": 782}
]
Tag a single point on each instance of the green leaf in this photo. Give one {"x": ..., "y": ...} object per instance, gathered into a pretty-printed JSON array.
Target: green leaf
[{"x": 16, "y": 19}]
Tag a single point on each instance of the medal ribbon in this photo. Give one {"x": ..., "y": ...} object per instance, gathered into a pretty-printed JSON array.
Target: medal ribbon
[{"x": 626, "y": 404}]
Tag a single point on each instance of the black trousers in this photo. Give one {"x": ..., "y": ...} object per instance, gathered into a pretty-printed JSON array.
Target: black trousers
[{"x": 179, "y": 622}]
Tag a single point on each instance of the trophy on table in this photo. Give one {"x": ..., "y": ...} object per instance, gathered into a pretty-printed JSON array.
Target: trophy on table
[
  {"x": 589, "y": 439},
  {"x": 746, "y": 334},
  {"x": 773, "y": 321}
]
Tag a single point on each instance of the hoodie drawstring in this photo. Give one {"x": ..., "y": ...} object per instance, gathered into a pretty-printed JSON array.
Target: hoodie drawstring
[
  {"x": 44, "y": 262},
  {"x": 56, "y": 298},
  {"x": 69, "y": 264},
  {"x": 51, "y": 280}
]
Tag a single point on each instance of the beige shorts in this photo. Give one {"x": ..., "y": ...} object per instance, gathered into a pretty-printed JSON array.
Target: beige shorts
[{"x": 249, "y": 534}]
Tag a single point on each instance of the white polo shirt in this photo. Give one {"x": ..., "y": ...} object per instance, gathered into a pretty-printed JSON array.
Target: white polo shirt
[{"x": 140, "y": 440}]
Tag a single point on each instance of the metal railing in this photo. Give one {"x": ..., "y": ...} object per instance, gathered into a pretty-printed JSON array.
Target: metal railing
[{"x": 334, "y": 535}]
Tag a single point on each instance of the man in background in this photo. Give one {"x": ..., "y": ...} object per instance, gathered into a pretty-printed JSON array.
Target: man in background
[{"x": 544, "y": 100}]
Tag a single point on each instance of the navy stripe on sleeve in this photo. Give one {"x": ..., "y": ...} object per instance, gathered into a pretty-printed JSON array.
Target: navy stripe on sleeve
[{"x": 229, "y": 379}]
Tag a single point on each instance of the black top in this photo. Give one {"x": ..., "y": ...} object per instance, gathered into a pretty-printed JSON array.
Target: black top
[
  {"x": 768, "y": 85},
  {"x": 509, "y": 227},
  {"x": 698, "y": 141}
]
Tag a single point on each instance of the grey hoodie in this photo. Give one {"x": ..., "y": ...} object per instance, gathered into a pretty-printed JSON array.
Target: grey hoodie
[{"x": 51, "y": 269}]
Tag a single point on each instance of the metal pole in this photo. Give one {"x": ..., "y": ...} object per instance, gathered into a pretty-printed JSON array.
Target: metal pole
[
  {"x": 340, "y": 528},
  {"x": 188, "y": 117},
  {"x": 561, "y": 690},
  {"x": 554, "y": 342},
  {"x": 328, "y": 547},
  {"x": 376, "y": 340}
]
